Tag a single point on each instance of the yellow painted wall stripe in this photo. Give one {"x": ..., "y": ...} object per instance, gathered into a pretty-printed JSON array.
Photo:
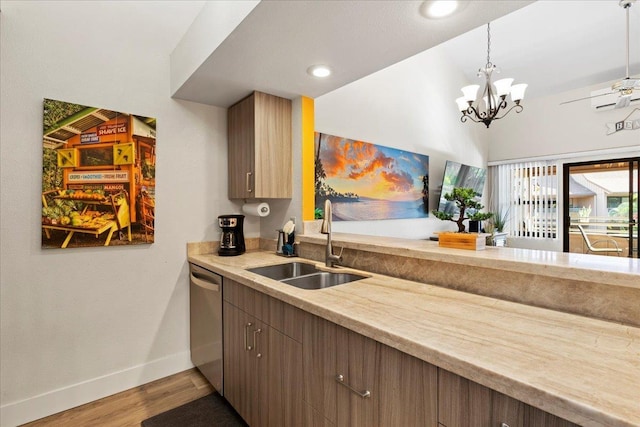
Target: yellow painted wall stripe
[{"x": 308, "y": 159}]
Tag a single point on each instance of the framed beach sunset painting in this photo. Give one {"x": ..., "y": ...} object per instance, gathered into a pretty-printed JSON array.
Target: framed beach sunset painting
[{"x": 366, "y": 182}]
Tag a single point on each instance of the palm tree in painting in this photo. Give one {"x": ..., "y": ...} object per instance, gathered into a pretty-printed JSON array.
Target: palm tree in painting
[
  {"x": 323, "y": 190},
  {"x": 425, "y": 193}
]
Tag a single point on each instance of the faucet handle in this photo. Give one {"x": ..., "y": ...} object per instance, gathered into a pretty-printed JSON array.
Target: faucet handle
[{"x": 340, "y": 254}]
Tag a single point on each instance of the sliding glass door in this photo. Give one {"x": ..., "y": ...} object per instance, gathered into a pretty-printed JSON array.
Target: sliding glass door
[{"x": 601, "y": 207}]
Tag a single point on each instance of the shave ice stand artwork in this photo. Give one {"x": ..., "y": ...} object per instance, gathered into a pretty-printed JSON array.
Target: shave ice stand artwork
[
  {"x": 98, "y": 176},
  {"x": 369, "y": 182}
]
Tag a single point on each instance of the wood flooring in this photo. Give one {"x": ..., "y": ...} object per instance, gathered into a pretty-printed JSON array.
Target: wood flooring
[{"x": 129, "y": 408}]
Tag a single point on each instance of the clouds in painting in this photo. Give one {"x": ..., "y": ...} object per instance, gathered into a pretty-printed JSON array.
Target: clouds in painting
[{"x": 371, "y": 171}]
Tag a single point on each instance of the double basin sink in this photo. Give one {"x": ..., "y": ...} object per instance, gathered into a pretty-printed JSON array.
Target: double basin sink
[{"x": 305, "y": 276}]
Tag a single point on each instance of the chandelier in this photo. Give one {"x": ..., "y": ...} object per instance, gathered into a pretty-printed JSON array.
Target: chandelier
[{"x": 494, "y": 97}]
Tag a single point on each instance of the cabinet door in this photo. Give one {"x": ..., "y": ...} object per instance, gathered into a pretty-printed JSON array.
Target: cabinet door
[
  {"x": 241, "y": 148},
  {"x": 263, "y": 371},
  {"x": 313, "y": 418},
  {"x": 506, "y": 410},
  {"x": 239, "y": 367},
  {"x": 464, "y": 403},
  {"x": 279, "y": 380},
  {"x": 535, "y": 417},
  {"x": 329, "y": 351},
  {"x": 319, "y": 364},
  {"x": 357, "y": 398},
  {"x": 273, "y": 168},
  {"x": 402, "y": 390},
  {"x": 408, "y": 389},
  {"x": 259, "y": 147}
]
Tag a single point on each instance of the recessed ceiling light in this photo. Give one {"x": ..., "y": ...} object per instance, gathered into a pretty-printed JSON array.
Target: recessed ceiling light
[
  {"x": 319, "y": 71},
  {"x": 439, "y": 8}
]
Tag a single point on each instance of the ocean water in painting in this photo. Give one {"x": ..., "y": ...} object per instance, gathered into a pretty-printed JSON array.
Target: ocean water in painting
[{"x": 371, "y": 209}]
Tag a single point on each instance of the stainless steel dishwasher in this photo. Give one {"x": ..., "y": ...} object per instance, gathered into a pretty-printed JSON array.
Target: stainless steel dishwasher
[{"x": 205, "y": 296}]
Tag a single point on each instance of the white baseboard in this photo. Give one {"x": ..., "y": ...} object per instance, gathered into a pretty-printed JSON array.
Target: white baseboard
[{"x": 52, "y": 402}]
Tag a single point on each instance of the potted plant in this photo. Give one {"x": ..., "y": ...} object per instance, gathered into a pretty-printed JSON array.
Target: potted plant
[
  {"x": 495, "y": 227},
  {"x": 468, "y": 209},
  {"x": 584, "y": 213}
]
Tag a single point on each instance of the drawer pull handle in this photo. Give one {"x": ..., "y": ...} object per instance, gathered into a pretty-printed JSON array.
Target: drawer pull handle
[
  {"x": 255, "y": 343},
  {"x": 362, "y": 394},
  {"x": 504, "y": 425},
  {"x": 246, "y": 346},
  {"x": 249, "y": 190}
]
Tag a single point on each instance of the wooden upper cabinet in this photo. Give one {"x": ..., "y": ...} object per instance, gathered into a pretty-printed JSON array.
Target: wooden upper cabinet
[{"x": 259, "y": 148}]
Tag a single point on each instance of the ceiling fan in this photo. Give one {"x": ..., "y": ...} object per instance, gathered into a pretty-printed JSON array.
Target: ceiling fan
[{"x": 624, "y": 87}]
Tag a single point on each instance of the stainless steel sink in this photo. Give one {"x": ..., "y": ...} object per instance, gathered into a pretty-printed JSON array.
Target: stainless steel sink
[
  {"x": 323, "y": 279},
  {"x": 305, "y": 276},
  {"x": 285, "y": 271}
]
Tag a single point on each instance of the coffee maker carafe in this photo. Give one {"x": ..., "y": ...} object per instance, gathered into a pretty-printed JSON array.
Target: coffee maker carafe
[{"x": 232, "y": 237}]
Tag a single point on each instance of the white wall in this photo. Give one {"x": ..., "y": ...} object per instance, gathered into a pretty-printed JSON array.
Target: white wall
[
  {"x": 547, "y": 128},
  {"x": 409, "y": 105},
  {"x": 78, "y": 324}
]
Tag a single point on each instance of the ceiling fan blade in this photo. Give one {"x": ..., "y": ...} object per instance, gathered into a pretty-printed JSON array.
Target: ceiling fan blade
[
  {"x": 623, "y": 102},
  {"x": 588, "y": 97}
]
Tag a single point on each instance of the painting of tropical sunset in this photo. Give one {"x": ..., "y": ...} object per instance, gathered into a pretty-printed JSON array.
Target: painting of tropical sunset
[{"x": 366, "y": 182}]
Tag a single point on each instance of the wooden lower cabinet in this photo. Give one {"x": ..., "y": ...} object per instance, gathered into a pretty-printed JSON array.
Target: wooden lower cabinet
[
  {"x": 535, "y": 417},
  {"x": 239, "y": 365},
  {"x": 408, "y": 390},
  {"x": 262, "y": 371},
  {"x": 281, "y": 367},
  {"x": 402, "y": 390},
  {"x": 464, "y": 403}
]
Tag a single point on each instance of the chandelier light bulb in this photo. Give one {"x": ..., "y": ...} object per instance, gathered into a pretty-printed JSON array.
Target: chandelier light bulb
[
  {"x": 495, "y": 101},
  {"x": 517, "y": 92},
  {"x": 470, "y": 92},
  {"x": 503, "y": 86},
  {"x": 462, "y": 103}
]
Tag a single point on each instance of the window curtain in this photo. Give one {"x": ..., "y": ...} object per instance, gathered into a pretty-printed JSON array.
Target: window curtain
[{"x": 524, "y": 195}]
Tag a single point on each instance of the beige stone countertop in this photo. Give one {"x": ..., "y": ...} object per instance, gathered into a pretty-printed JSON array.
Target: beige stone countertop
[
  {"x": 584, "y": 370},
  {"x": 618, "y": 271}
]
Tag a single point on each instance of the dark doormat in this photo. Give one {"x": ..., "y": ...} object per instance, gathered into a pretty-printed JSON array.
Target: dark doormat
[{"x": 208, "y": 411}]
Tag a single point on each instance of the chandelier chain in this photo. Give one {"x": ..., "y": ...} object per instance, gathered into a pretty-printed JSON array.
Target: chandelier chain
[{"x": 488, "y": 45}]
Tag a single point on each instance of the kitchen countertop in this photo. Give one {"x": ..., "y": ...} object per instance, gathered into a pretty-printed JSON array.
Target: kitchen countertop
[
  {"x": 616, "y": 271},
  {"x": 584, "y": 370}
]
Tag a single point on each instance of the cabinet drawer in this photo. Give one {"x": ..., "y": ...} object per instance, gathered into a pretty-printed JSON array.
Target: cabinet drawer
[
  {"x": 464, "y": 403},
  {"x": 380, "y": 386}
]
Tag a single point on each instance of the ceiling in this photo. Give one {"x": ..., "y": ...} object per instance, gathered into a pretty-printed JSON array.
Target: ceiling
[{"x": 554, "y": 46}]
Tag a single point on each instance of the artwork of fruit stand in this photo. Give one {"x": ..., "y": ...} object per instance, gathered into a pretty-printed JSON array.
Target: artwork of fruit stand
[
  {"x": 365, "y": 181},
  {"x": 98, "y": 176}
]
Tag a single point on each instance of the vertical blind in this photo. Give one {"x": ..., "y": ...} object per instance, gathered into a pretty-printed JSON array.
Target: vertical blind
[{"x": 525, "y": 194}]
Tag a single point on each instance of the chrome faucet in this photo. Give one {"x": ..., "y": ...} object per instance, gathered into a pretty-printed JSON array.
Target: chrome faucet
[{"x": 330, "y": 259}]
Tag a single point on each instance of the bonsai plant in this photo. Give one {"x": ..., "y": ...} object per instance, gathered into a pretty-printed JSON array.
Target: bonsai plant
[{"x": 464, "y": 200}]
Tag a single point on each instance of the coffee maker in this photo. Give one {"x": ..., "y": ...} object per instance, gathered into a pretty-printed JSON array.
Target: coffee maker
[{"x": 232, "y": 237}]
